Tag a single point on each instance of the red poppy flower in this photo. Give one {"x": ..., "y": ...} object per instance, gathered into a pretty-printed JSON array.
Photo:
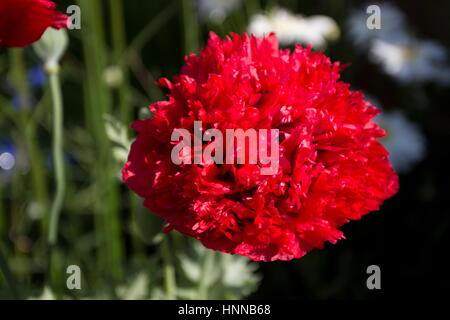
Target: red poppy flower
[
  {"x": 23, "y": 22},
  {"x": 331, "y": 170}
]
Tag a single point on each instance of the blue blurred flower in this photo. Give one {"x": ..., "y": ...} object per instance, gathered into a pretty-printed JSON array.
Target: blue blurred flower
[
  {"x": 16, "y": 102},
  {"x": 69, "y": 160},
  {"x": 7, "y": 146},
  {"x": 37, "y": 77}
]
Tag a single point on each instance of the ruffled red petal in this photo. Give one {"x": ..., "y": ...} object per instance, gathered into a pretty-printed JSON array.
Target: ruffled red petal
[
  {"x": 23, "y": 22},
  {"x": 332, "y": 168}
]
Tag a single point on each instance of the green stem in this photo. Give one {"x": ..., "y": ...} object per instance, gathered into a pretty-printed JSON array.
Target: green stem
[
  {"x": 8, "y": 276},
  {"x": 20, "y": 77},
  {"x": 190, "y": 27},
  {"x": 58, "y": 156},
  {"x": 169, "y": 270},
  {"x": 132, "y": 56},
  {"x": 28, "y": 127},
  {"x": 119, "y": 48},
  {"x": 3, "y": 217},
  {"x": 98, "y": 103},
  {"x": 151, "y": 29},
  {"x": 123, "y": 90}
]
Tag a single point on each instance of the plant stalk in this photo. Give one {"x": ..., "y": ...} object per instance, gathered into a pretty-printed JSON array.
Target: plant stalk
[
  {"x": 169, "y": 270},
  {"x": 58, "y": 156}
]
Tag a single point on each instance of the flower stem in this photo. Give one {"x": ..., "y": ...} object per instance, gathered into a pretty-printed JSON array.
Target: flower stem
[
  {"x": 191, "y": 33},
  {"x": 119, "y": 48},
  {"x": 169, "y": 270},
  {"x": 150, "y": 30},
  {"x": 110, "y": 253},
  {"x": 58, "y": 156},
  {"x": 28, "y": 127},
  {"x": 3, "y": 221}
]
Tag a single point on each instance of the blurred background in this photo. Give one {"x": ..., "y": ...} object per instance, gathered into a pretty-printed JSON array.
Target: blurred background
[{"x": 107, "y": 78}]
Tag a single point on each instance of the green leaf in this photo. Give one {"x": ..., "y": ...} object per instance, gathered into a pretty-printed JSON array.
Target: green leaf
[{"x": 138, "y": 289}]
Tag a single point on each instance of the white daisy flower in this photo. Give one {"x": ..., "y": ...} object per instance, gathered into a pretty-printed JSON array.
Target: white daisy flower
[
  {"x": 216, "y": 10},
  {"x": 292, "y": 28},
  {"x": 400, "y": 55},
  {"x": 404, "y": 141},
  {"x": 8, "y": 162},
  {"x": 393, "y": 26},
  {"x": 412, "y": 61}
]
